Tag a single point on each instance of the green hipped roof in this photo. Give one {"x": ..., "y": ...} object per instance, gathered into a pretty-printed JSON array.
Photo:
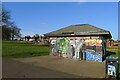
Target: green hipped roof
[{"x": 79, "y": 30}]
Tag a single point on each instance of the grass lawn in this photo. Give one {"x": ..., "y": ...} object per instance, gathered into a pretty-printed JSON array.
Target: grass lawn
[
  {"x": 22, "y": 49},
  {"x": 114, "y": 52}
]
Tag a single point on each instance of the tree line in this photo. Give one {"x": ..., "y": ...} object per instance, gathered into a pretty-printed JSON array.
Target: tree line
[
  {"x": 9, "y": 29},
  {"x": 35, "y": 38}
]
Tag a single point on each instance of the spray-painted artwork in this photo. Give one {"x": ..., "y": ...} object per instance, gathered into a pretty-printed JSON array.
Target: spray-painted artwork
[
  {"x": 93, "y": 42},
  {"x": 89, "y": 49},
  {"x": 92, "y": 56},
  {"x": 77, "y": 46},
  {"x": 53, "y": 47},
  {"x": 53, "y": 42},
  {"x": 111, "y": 70},
  {"x": 62, "y": 45},
  {"x": 94, "y": 50}
]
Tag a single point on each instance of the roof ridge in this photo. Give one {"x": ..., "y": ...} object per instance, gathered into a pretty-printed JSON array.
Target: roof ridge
[
  {"x": 88, "y": 25},
  {"x": 79, "y": 28},
  {"x": 79, "y": 24}
]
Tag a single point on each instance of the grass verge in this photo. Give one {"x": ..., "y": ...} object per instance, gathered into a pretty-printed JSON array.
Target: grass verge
[{"x": 22, "y": 49}]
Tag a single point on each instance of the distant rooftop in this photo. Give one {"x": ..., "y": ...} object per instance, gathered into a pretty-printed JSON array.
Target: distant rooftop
[{"x": 79, "y": 30}]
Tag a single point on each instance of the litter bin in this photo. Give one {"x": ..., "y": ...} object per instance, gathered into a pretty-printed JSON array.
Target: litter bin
[{"x": 112, "y": 67}]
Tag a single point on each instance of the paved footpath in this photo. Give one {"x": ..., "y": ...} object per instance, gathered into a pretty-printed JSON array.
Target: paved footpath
[{"x": 51, "y": 67}]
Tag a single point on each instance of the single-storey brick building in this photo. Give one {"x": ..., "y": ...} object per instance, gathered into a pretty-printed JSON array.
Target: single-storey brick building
[{"x": 82, "y": 41}]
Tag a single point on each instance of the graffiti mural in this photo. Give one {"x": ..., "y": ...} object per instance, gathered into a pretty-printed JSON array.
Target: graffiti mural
[
  {"x": 62, "y": 45},
  {"x": 81, "y": 49},
  {"x": 93, "y": 42},
  {"x": 53, "y": 47},
  {"x": 94, "y": 50}
]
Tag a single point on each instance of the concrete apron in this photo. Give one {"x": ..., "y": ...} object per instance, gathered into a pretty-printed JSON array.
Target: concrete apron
[{"x": 90, "y": 69}]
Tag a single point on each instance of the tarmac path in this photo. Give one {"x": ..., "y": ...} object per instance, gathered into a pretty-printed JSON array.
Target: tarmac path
[{"x": 51, "y": 67}]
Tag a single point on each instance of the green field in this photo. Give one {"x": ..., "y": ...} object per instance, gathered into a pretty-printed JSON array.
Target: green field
[{"x": 23, "y": 49}]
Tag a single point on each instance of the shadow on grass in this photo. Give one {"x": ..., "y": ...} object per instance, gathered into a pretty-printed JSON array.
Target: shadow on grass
[
  {"x": 108, "y": 53},
  {"x": 30, "y": 54}
]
